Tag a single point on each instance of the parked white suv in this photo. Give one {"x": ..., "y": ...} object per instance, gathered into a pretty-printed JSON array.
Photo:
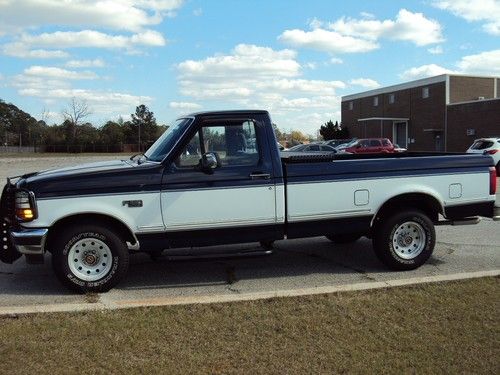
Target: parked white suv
[{"x": 487, "y": 146}]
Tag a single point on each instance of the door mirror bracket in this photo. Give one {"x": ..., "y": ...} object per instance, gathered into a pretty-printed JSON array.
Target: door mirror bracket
[{"x": 209, "y": 162}]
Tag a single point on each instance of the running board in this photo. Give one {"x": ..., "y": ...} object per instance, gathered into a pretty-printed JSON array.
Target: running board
[
  {"x": 218, "y": 256},
  {"x": 465, "y": 221}
]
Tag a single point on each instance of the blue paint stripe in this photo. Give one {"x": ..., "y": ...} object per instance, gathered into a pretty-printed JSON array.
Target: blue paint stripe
[{"x": 383, "y": 175}]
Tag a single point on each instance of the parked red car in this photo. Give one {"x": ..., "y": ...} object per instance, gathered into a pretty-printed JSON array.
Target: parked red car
[{"x": 371, "y": 145}]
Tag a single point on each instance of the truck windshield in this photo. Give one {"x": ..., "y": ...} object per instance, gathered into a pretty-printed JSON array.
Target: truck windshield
[{"x": 164, "y": 144}]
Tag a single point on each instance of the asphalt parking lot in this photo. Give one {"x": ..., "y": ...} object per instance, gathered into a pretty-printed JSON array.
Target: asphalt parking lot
[{"x": 305, "y": 263}]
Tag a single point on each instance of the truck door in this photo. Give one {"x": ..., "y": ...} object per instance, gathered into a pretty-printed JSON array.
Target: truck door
[{"x": 237, "y": 199}]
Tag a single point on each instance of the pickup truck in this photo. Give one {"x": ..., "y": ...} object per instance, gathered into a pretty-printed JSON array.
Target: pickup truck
[{"x": 218, "y": 178}]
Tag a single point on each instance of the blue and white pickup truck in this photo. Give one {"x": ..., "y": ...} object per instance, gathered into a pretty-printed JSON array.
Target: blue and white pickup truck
[{"x": 217, "y": 178}]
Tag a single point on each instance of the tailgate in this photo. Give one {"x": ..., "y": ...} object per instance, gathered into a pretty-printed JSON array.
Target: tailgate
[{"x": 8, "y": 252}]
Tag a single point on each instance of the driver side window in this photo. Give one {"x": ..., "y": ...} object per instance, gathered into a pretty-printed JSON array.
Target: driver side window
[
  {"x": 191, "y": 154},
  {"x": 234, "y": 143}
]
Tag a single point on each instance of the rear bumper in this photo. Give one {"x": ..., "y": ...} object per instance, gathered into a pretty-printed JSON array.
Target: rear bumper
[
  {"x": 484, "y": 209},
  {"x": 29, "y": 241},
  {"x": 496, "y": 214}
]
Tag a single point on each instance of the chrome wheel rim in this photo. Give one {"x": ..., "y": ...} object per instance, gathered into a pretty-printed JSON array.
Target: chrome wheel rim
[
  {"x": 90, "y": 259},
  {"x": 409, "y": 240}
]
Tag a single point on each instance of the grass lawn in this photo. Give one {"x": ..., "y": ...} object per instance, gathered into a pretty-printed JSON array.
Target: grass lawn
[{"x": 436, "y": 328}]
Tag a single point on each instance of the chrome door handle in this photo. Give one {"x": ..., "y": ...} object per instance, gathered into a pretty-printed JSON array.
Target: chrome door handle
[{"x": 258, "y": 175}]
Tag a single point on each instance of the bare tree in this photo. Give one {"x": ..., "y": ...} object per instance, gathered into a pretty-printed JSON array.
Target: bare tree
[{"x": 75, "y": 112}]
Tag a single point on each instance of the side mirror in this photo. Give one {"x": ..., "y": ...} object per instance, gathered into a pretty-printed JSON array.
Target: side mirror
[{"x": 209, "y": 162}]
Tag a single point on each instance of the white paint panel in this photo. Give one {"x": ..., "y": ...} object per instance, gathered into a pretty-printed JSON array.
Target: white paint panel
[
  {"x": 146, "y": 218},
  {"x": 321, "y": 200},
  {"x": 280, "y": 203},
  {"x": 215, "y": 208}
]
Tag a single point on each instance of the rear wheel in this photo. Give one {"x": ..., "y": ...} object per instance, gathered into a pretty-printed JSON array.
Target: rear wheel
[
  {"x": 344, "y": 238},
  {"x": 90, "y": 258},
  {"x": 405, "y": 240}
]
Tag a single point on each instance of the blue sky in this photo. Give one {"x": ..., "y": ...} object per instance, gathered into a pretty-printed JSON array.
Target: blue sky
[{"x": 294, "y": 58}]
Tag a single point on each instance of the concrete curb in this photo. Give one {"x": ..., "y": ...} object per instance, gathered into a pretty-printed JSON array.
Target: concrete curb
[{"x": 106, "y": 303}]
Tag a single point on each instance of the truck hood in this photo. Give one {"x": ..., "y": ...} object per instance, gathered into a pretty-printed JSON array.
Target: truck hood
[
  {"x": 80, "y": 169},
  {"x": 107, "y": 177}
]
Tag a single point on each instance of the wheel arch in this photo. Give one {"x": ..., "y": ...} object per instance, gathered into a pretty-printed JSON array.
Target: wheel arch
[
  {"x": 90, "y": 218},
  {"x": 425, "y": 202}
]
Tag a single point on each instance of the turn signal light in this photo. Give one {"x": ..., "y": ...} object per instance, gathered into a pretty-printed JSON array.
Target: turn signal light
[
  {"x": 25, "y": 205},
  {"x": 25, "y": 214}
]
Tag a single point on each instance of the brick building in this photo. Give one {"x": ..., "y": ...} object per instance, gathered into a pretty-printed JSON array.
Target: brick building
[{"x": 442, "y": 113}]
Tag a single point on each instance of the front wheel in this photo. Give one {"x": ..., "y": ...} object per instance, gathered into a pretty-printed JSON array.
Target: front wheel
[
  {"x": 405, "y": 240},
  {"x": 90, "y": 258}
]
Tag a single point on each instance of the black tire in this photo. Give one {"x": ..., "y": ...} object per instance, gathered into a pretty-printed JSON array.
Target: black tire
[
  {"x": 344, "y": 238},
  {"x": 394, "y": 242},
  {"x": 69, "y": 240}
]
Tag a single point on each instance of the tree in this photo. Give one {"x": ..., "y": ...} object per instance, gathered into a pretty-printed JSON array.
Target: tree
[
  {"x": 328, "y": 130},
  {"x": 298, "y": 137},
  {"x": 76, "y": 111},
  {"x": 280, "y": 136},
  {"x": 333, "y": 131},
  {"x": 143, "y": 120}
]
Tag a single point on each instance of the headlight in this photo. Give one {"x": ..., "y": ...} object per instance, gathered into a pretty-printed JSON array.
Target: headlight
[{"x": 25, "y": 206}]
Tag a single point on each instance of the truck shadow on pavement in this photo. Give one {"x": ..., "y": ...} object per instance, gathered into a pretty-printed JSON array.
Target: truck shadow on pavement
[
  {"x": 297, "y": 263},
  {"x": 293, "y": 264}
]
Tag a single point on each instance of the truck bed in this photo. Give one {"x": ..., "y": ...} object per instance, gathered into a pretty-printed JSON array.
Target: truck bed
[{"x": 356, "y": 186}]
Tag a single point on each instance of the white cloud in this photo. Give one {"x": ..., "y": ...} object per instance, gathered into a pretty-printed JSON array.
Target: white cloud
[
  {"x": 58, "y": 73},
  {"x": 484, "y": 63},
  {"x": 336, "y": 60},
  {"x": 188, "y": 106},
  {"x": 435, "y": 50},
  {"x": 487, "y": 11},
  {"x": 198, "y": 12},
  {"x": 18, "y": 15},
  {"x": 23, "y": 51},
  {"x": 246, "y": 62},
  {"x": 349, "y": 35},
  {"x": 425, "y": 71},
  {"x": 88, "y": 38},
  {"x": 96, "y": 63},
  {"x": 407, "y": 26},
  {"x": 257, "y": 77},
  {"x": 325, "y": 40},
  {"x": 487, "y": 63},
  {"x": 365, "y": 82}
]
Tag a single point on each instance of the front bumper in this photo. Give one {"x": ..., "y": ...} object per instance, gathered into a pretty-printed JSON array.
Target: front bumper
[{"x": 29, "y": 241}]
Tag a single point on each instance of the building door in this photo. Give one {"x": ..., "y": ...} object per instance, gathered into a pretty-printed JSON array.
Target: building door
[
  {"x": 400, "y": 134},
  {"x": 438, "y": 142}
]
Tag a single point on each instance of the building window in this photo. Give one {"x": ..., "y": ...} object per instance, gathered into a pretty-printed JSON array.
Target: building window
[
  {"x": 392, "y": 98},
  {"x": 351, "y": 105},
  {"x": 425, "y": 92},
  {"x": 375, "y": 101}
]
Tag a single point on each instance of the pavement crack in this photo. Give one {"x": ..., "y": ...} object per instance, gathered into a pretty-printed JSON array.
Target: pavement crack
[{"x": 363, "y": 273}]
